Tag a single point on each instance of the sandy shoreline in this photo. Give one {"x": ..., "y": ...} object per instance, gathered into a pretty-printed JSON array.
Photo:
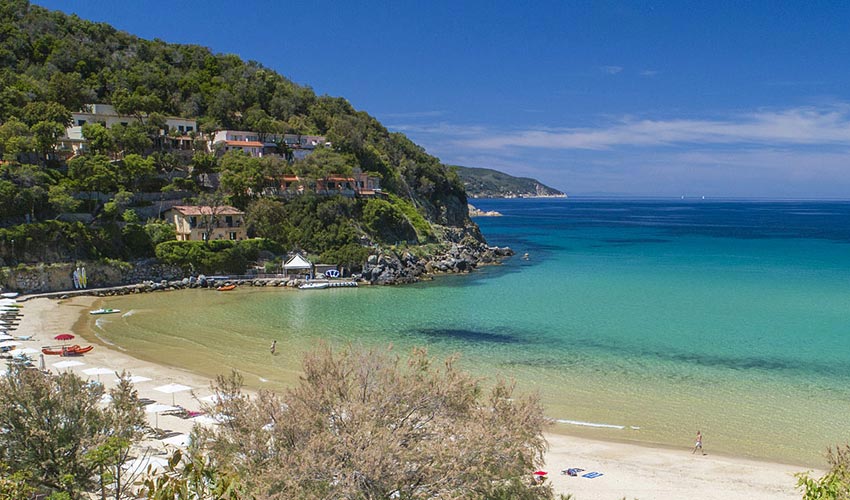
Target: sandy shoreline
[{"x": 629, "y": 470}]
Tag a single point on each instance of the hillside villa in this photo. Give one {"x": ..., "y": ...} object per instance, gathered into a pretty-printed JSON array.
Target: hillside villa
[
  {"x": 258, "y": 145},
  {"x": 362, "y": 184},
  {"x": 106, "y": 115},
  {"x": 203, "y": 223},
  {"x": 251, "y": 143}
]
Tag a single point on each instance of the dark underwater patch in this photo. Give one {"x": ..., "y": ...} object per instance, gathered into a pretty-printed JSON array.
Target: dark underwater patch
[
  {"x": 636, "y": 354},
  {"x": 468, "y": 335}
]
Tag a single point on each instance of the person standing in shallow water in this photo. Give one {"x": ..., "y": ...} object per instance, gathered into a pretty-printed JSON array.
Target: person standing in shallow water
[
  {"x": 273, "y": 348},
  {"x": 698, "y": 445}
]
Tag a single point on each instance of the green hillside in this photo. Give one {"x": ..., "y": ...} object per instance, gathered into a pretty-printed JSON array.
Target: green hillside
[
  {"x": 488, "y": 183},
  {"x": 52, "y": 64}
]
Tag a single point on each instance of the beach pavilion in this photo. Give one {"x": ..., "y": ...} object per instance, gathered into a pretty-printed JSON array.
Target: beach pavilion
[{"x": 298, "y": 265}]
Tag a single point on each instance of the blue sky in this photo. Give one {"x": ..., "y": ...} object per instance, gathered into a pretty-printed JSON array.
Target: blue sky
[{"x": 715, "y": 99}]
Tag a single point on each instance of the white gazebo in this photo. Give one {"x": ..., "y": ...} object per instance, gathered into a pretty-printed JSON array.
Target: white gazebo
[{"x": 298, "y": 265}]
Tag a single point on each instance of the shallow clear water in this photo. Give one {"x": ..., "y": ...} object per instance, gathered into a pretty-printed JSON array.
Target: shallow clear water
[{"x": 732, "y": 318}]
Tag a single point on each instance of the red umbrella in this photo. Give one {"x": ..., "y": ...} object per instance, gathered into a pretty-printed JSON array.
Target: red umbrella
[
  {"x": 541, "y": 473},
  {"x": 64, "y": 336}
]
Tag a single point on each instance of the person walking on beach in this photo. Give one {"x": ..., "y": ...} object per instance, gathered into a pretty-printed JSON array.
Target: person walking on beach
[
  {"x": 698, "y": 444},
  {"x": 273, "y": 347}
]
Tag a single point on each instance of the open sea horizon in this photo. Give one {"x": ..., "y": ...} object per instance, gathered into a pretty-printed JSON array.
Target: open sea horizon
[{"x": 638, "y": 320}]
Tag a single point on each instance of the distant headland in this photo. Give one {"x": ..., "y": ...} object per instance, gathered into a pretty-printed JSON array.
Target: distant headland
[{"x": 489, "y": 183}]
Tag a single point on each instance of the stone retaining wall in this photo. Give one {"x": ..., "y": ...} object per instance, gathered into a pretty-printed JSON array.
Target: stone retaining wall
[{"x": 55, "y": 277}]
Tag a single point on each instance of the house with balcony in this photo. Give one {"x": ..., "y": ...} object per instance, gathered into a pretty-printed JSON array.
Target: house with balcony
[
  {"x": 106, "y": 115},
  {"x": 359, "y": 184},
  {"x": 367, "y": 184},
  {"x": 205, "y": 223},
  {"x": 237, "y": 140},
  {"x": 334, "y": 185},
  {"x": 258, "y": 145}
]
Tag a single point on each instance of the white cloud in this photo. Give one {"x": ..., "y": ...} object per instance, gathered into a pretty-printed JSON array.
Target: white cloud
[
  {"x": 611, "y": 70},
  {"x": 441, "y": 128},
  {"x": 796, "y": 126}
]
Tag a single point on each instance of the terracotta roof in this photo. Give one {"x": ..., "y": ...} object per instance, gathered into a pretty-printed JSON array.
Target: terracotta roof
[
  {"x": 291, "y": 178},
  {"x": 335, "y": 178},
  {"x": 207, "y": 210},
  {"x": 245, "y": 144}
]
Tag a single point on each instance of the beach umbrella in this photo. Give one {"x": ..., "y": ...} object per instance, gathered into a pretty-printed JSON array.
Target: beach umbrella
[
  {"x": 214, "y": 398},
  {"x": 540, "y": 473},
  {"x": 98, "y": 371},
  {"x": 180, "y": 440},
  {"x": 5, "y": 336},
  {"x": 64, "y": 337},
  {"x": 67, "y": 364},
  {"x": 135, "y": 379},
  {"x": 25, "y": 351},
  {"x": 172, "y": 389},
  {"x": 157, "y": 408},
  {"x": 207, "y": 420},
  {"x": 9, "y": 343},
  {"x": 141, "y": 464}
]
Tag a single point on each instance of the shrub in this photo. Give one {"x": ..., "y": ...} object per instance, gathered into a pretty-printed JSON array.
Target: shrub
[
  {"x": 835, "y": 484},
  {"x": 387, "y": 222},
  {"x": 217, "y": 256},
  {"x": 352, "y": 256},
  {"x": 370, "y": 424}
]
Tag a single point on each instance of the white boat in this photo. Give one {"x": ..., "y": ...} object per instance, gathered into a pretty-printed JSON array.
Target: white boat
[
  {"x": 313, "y": 286},
  {"x": 105, "y": 311},
  {"x": 9, "y": 295},
  {"x": 319, "y": 285}
]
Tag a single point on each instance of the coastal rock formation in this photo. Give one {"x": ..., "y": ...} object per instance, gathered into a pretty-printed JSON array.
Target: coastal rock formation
[
  {"x": 475, "y": 212},
  {"x": 466, "y": 251}
]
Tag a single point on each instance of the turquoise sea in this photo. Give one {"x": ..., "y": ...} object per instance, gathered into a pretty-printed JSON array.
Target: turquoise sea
[{"x": 654, "y": 318}]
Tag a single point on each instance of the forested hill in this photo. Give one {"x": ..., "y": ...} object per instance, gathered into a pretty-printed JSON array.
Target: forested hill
[
  {"x": 488, "y": 183},
  {"x": 51, "y": 64}
]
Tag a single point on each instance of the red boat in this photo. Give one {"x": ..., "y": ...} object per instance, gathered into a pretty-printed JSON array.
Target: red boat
[{"x": 71, "y": 350}]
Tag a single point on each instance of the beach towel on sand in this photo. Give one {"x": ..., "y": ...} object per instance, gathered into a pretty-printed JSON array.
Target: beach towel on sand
[{"x": 591, "y": 475}]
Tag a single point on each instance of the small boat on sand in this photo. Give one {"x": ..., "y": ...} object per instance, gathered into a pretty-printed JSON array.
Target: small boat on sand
[
  {"x": 105, "y": 311},
  {"x": 69, "y": 350},
  {"x": 226, "y": 288}
]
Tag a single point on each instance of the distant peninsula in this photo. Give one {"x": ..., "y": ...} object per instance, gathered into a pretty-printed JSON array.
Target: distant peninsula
[{"x": 489, "y": 183}]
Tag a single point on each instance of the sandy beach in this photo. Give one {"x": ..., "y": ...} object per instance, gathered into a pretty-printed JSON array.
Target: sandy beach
[{"x": 628, "y": 470}]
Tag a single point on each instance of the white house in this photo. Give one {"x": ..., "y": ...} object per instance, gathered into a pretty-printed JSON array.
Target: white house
[
  {"x": 106, "y": 115},
  {"x": 232, "y": 140},
  {"x": 252, "y": 144}
]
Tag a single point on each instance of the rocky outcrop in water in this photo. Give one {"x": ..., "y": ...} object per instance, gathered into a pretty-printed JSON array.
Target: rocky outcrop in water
[
  {"x": 464, "y": 252},
  {"x": 476, "y": 212}
]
